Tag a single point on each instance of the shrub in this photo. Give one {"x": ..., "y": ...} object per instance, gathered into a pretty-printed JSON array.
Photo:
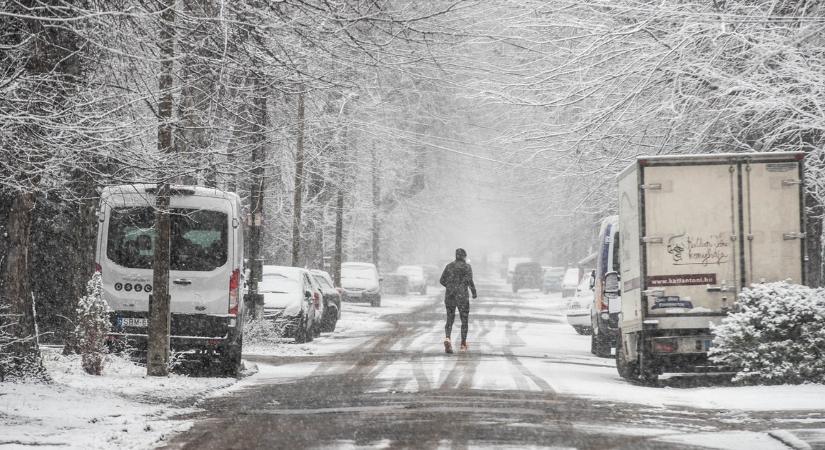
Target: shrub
[
  {"x": 776, "y": 335},
  {"x": 92, "y": 326}
]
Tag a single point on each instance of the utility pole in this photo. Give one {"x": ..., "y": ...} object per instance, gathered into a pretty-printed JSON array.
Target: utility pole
[
  {"x": 376, "y": 206},
  {"x": 159, "y": 313},
  {"x": 254, "y": 301},
  {"x": 299, "y": 185}
]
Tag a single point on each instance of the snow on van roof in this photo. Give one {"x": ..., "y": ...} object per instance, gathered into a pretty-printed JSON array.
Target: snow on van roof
[{"x": 147, "y": 190}]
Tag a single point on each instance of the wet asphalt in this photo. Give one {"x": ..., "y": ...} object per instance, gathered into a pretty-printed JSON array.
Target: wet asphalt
[{"x": 342, "y": 403}]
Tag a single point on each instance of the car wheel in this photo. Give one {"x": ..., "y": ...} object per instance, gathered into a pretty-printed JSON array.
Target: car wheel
[
  {"x": 376, "y": 302},
  {"x": 330, "y": 319},
  {"x": 301, "y": 333}
]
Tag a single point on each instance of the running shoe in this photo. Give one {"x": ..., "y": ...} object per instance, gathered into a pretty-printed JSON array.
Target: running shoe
[{"x": 448, "y": 346}]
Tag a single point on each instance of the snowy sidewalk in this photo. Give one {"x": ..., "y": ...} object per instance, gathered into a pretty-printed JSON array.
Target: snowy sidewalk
[{"x": 120, "y": 409}]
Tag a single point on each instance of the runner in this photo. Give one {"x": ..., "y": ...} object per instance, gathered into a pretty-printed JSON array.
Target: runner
[{"x": 457, "y": 277}]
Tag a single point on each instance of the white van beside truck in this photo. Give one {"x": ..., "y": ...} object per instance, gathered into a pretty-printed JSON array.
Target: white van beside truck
[
  {"x": 206, "y": 268},
  {"x": 695, "y": 231}
]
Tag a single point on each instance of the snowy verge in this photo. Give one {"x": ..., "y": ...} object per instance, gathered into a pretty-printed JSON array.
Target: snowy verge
[{"x": 120, "y": 409}]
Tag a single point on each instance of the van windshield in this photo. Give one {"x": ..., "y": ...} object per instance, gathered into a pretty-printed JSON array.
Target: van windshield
[{"x": 198, "y": 238}]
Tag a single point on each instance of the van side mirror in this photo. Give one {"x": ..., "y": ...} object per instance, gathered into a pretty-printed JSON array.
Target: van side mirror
[
  {"x": 307, "y": 295},
  {"x": 611, "y": 283}
]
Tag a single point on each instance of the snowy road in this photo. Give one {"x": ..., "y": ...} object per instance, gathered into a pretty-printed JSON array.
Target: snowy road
[{"x": 382, "y": 380}]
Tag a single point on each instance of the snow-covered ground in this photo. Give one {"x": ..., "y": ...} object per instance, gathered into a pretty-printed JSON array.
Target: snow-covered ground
[{"x": 120, "y": 409}]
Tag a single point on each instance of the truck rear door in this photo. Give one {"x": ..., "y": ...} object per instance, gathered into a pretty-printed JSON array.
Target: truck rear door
[
  {"x": 772, "y": 222},
  {"x": 689, "y": 237}
]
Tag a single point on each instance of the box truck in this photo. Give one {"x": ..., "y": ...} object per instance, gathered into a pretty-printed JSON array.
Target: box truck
[{"x": 694, "y": 231}]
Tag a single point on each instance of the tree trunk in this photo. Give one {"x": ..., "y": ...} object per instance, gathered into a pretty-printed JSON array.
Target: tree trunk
[
  {"x": 16, "y": 276},
  {"x": 299, "y": 185},
  {"x": 159, "y": 312},
  {"x": 376, "y": 205},
  {"x": 338, "y": 258},
  {"x": 256, "y": 225}
]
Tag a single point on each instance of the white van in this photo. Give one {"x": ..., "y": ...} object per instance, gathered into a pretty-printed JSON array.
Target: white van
[{"x": 206, "y": 267}]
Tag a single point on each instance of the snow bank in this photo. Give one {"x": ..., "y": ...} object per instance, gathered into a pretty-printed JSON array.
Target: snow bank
[{"x": 120, "y": 409}]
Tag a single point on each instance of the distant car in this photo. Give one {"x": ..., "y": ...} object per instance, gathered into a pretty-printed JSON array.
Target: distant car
[
  {"x": 551, "y": 281},
  {"x": 570, "y": 282},
  {"x": 332, "y": 300},
  {"x": 527, "y": 275},
  {"x": 416, "y": 278},
  {"x": 432, "y": 273},
  {"x": 577, "y": 307},
  {"x": 361, "y": 282},
  {"x": 395, "y": 284},
  {"x": 511, "y": 266},
  {"x": 291, "y": 300}
]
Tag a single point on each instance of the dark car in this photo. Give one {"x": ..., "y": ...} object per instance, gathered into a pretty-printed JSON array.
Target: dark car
[
  {"x": 396, "y": 284},
  {"x": 332, "y": 300},
  {"x": 527, "y": 275},
  {"x": 432, "y": 274}
]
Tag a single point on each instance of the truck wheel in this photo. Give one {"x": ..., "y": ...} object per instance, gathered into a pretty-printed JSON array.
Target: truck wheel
[{"x": 628, "y": 370}]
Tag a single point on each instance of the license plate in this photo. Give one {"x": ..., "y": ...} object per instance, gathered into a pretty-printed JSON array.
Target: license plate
[
  {"x": 354, "y": 294},
  {"x": 134, "y": 322}
]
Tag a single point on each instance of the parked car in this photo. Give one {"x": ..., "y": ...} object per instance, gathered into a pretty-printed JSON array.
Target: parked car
[
  {"x": 570, "y": 282},
  {"x": 416, "y": 278},
  {"x": 604, "y": 315},
  {"x": 395, "y": 284},
  {"x": 551, "y": 281},
  {"x": 527, "y": 275},
  {"x": 292, "y": 301},
  {"x": 432, "y": 274},
  {"x": 206, "y": 268},
  {"x": 361, "y": 282},
  {"x": 577, "y": 307},
  {"x": 332, "y": 300}
]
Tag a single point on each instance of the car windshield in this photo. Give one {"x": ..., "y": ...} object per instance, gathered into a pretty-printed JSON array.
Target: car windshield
[
  {"x": 198, "y": 238},
  {"x": 358, "y": 273},
  {"x": 276, "y": 283}
]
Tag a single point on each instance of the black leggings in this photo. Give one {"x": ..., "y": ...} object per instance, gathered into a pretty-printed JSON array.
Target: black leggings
[{"x": 463, "y": 313}]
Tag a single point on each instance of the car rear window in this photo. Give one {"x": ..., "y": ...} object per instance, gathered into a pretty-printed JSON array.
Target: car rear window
[
  {"x": 323, "y": 282},
  {"x": 198, "y": 238},
  {"x": 278, "y": 284},
  {"x": 360, "y": 273}
]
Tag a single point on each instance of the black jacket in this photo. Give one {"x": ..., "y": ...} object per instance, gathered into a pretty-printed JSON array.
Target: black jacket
[{"x": 457, "y": 277}]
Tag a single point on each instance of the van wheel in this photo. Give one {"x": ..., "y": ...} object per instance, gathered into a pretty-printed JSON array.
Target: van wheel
[
  {"x": 627, "y": 369},
  {"x": 599, "y": 345},
  {"x": 231, "y": 363}
]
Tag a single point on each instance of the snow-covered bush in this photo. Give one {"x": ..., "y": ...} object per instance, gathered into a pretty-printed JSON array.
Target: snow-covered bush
[
  {"x": 262, "y": 331},
  {"x": 92, "y": 326},
  {"x": 776, "y": 336}
]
